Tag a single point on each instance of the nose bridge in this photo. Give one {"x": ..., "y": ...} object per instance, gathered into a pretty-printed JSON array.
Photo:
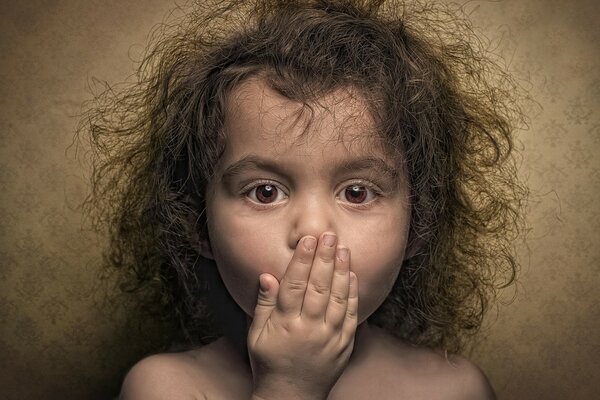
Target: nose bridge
[{"x": 312, "y": 214}]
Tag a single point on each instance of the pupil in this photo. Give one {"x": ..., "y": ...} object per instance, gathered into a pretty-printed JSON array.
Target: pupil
[
  {"x": 356, "y": 194},
  {"x": 265, "y": 193}
]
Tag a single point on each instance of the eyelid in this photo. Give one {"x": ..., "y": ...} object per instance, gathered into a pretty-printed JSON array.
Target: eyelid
[
  {"x": 259, "y": 182},
  {"x": 246, "y": 189},
  {"x": 361, "y": 182},
  {"x": 369, "y": 185}
]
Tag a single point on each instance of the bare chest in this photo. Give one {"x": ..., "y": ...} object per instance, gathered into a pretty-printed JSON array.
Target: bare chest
[
  {"x": 354, "y": 385},
  {"x": 358, "y": 391}
]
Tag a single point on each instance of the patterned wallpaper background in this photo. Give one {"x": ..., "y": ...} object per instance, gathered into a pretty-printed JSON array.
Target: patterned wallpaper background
[{"x": 58, "y": 341}]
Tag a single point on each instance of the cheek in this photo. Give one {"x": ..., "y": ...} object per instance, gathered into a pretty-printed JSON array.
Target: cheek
[
  {"x": 376, "y": 277},
  {"x": 376, "y": 260},
  {"x": 242, "y": 254}
]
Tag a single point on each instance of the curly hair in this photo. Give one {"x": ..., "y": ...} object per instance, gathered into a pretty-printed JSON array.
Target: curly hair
[{"x": 440, "y": 101}]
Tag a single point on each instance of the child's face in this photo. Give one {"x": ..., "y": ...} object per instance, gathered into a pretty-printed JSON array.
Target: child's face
[{"x": 276, "y": 183}]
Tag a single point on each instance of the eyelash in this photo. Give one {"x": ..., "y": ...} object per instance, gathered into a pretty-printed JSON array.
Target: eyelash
[
  {"x": 246, "y": 190},
  {"x": 374, "y": 189},
  {"x": 376, "y": 193}
]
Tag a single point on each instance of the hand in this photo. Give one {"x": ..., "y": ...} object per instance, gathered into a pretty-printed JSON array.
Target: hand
[{"x": 303, "y": 329}]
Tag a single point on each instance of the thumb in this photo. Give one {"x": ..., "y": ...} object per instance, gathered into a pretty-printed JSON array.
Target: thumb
[{"x": 265, "y": 303}]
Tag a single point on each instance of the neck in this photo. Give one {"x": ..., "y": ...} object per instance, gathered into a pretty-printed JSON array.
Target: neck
[{"x": 363, "y": 341}]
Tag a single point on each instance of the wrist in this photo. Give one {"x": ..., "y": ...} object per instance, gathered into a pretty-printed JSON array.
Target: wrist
[
  {"x": 286, "y": 395},
  {"x": 288, "y": 391}
]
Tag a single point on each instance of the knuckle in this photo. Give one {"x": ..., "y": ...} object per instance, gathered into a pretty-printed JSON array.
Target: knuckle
[
  {"x": 325, "y": 258},
  {"x": 261, "y": 301},
  {"x": 319, "y": 287},
  {"x": 305, "y": 259},
  {"x": 323, "y": 332},
  {"x": 338, "y": 298},
  {"x": 295, "y": 285},
  {"x": 288, "y": 326},
  {"x": 341, "y": 276},
  {"x": 352, "y": 313}
]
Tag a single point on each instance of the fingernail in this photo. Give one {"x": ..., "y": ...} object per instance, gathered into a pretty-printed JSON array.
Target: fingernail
[
  {"x": 329, "y": 240},
  {"x": 310, "y": 243},
  {"x": 353, "y": 278},
  {"x": 342, "y": 254}
]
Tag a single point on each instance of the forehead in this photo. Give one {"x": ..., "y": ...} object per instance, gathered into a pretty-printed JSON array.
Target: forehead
[{"x": 256, "y": 113}]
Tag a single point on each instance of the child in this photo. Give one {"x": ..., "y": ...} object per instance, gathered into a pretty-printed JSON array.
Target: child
[{"x": 328, "y": 184}]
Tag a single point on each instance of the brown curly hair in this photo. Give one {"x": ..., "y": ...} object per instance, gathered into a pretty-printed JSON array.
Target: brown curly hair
[{"x": 439, "y": 99}]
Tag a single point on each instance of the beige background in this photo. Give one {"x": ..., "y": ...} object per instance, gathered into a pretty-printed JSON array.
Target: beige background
[{"x": 55, "y": 343}]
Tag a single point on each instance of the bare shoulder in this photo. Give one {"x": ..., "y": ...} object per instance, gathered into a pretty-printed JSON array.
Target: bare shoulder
[
  {"x": 199, "y": 374},
  {"x": 456, "y": 377},
  {"x": 431, "y": 374},
  {"x": 170, "y": 375}
]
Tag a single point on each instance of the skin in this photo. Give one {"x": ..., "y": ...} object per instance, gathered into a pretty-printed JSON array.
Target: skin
[
  {"x": 284, "y": 182},
  {"x": 248, "y": 238},
  {"x": 318, "y": 214}
]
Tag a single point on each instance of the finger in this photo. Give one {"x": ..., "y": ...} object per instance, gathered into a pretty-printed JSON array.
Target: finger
[
  {"x": 338, "y": 299},
  {"x": 265, "y": 304},
  {"x": 317, "y": 293},
  {"x": 294, "y": 282},
  {"x": 351, "y": 319}
]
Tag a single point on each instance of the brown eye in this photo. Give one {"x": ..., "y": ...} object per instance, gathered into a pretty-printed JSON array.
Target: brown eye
[
  {"x": 266, "y": 193},
  {"x": 356, "y": 194}
]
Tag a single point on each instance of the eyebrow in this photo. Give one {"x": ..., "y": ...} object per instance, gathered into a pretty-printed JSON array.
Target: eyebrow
[
  {"x": 370, "y": 163},
  {"x": 253, "y": 162},
  {"x": 248, "y": 163}
]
